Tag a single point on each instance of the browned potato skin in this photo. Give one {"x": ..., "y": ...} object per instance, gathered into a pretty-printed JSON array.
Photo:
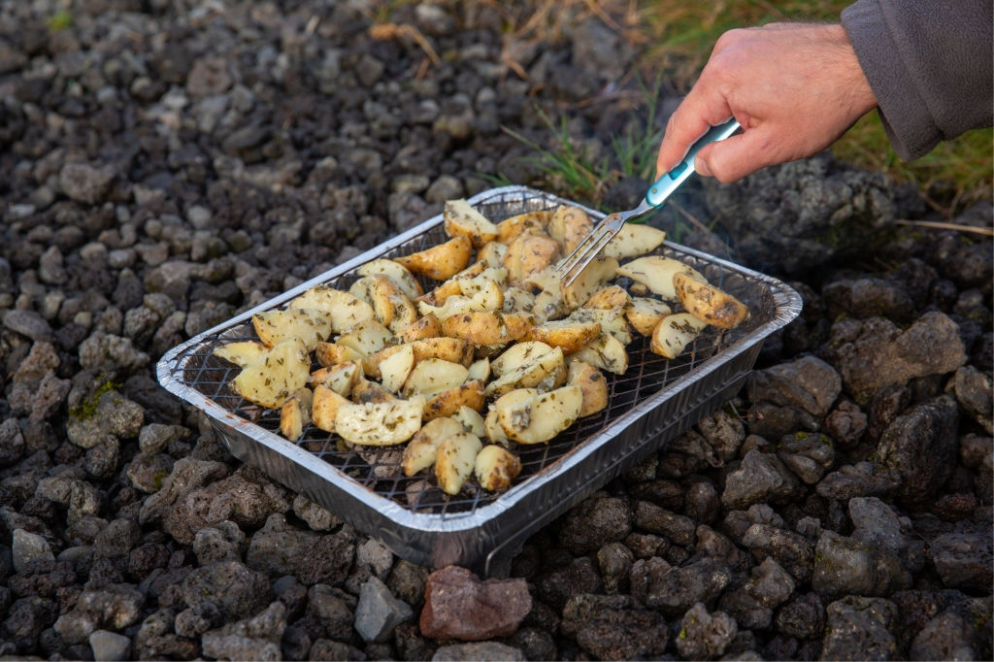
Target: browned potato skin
[
  {"x": 329, "y": 353},
  {"x": 571, "y": 338},
  {"x": 496, "y": 467},
  {"x": 296, "y": 413},
  {"x": 611, "y": 297},
  {"x": 529, "y": 253},
  {"x": 424, "y": 327},
  {"x": 487, "y": 328},
  {"x": 708, "y": 303},
  {"x": 592, "y": 384},
  {"x": 448, "y": 402},
  {"x": 442, "y": 261},
  {"x": 324, "y": 407},
  {"x": 569, "y": 226},
  {"x": 456, "y": 350},
  {"x": 451, "y": 287},
  {"x": 367, "y": 391},
  {"x": 509, "y": 229}
]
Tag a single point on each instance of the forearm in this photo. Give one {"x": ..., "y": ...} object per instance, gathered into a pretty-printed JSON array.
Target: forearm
[{"x": 929, "y": 65}]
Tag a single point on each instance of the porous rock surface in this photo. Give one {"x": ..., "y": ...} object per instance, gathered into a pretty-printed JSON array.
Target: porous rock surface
[{"x": 166, "y": 164}]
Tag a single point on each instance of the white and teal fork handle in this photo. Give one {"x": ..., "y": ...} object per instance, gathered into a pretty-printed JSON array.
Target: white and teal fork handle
[{"x": 681, "y": 172}]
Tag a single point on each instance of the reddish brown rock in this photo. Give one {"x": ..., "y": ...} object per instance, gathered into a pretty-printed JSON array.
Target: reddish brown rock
[{"x": 460, "y": 606}]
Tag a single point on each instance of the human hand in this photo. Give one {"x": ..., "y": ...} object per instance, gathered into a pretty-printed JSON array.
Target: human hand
[{"x": 794, "y": 88}]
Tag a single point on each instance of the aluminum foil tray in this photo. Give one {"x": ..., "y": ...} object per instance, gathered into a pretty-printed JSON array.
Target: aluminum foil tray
[{"x": 653, "y": 402}]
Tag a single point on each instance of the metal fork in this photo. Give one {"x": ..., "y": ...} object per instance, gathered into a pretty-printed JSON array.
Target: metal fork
[{"x": 657, "y": 194}]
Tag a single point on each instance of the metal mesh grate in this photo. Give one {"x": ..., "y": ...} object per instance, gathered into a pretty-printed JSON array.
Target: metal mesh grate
[{"x": 379, "y": 469}]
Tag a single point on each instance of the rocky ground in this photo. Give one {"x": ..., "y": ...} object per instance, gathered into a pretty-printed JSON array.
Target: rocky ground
[{"x": 165, "y": 164}]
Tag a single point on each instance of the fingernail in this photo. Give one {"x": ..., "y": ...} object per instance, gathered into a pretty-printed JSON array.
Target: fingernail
[{"x": 701, "y": 168}]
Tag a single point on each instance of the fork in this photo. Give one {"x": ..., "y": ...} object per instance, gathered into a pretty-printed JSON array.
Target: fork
[{"x": 657, "y": 194}]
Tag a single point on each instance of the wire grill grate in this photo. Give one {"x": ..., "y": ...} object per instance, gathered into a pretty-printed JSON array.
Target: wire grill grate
[{"x": 378, "y": 469}]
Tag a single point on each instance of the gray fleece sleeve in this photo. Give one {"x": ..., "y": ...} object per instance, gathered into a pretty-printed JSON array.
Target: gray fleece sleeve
[{"x": 929, "y": 63}]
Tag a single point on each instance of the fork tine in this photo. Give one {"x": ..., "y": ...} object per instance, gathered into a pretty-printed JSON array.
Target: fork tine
[{"x": 601, "y": 236}]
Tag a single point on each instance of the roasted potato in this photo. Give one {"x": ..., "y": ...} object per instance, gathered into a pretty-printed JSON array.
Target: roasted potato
[
  {"x": 509, "y": 229},
  {"x": 491, "y": 423},
  {"x": 496, "y": 467},
  {"x": 282, "y": 370},
  {"x": 461, "y": 218},
  {"x": 426, "y": 326},
  {"x": 310, "y": 325},
  {"x": 674, "y": 333},
  {"x": 634, "y": 239},
  {"x": 455, "y": 460},
  {"x": 379, "y": 424},
  {"x": 567, "y": 334},
  {"x": 479, "y": 369},
  {"x": 541, "y": 417},
  {"x": 656, "y": 273},
  {"x": 432, "y": 376},
  {"x": 592, "y": 384},
  {"x": 441, "y": 261},
  {"x": 345, "y": 309},
  {"x": 492, "y": 254},
  {"x": 543, "y": 371},
  {"x": 419, "y": 454},
  {"x": 295, "y": 413},
  {"x": 403, "y": 279},
  {"x": 449, "y": 402},
  {"x": 644, "y": 314},
  {"x": 395, "y": 368},
  {"x": 330, "y": 353},
  {"x": 708, "y": 303},
  {"x": 241, "y": 352},
  {"x": 472, "y": 420},
  {"x": 324, "y": 407},
  {"x": 569, "y": 226},
  {"x": 340, "y": 377},
  {"x": 605, "y": 352},
  {"x": 517, "y": 300},
  {"x": 528, "y": 254},
  {"x": 518, "y": 354},
  {"x": 593, "y": 277},
  {"x": 487, "y": 328},
  {"x": 366, "y": 337},
  {"x": 369, "y": 391},
  {"x": 612, "y": 297}
]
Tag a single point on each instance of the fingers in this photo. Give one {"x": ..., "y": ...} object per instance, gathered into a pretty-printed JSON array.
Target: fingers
[{"x": 738, "y": 156}]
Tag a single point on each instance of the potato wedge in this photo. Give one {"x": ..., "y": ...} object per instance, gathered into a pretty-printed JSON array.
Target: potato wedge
[
  {"x": 545, "y": 372},
  {"x": 455, "y": 350},
  {"x": 656, "y": 273},
  {"x": 340, "y": 377},
  {"x": 447, "y": 403},
  {"x": 549, "y": 306},
  {"x": 310, "y": 325},
  {"x": 490, "y": 297},
  {"x": 487, "y": 328},
  {"x": 461, "y": 218},
  {"x": 612, "y": 297},
  {"x": 709, "y": 303},
  {"x": 567, "y": 334},
  {"x": 491, "y": 423},
  {"x": 644, "y": 314},
  {"x": 324, "y": 407},
  {"x": 441, "y": 261},
  {"x": 518, "y": 354},
  {"x": 455, "y": 461},
  {"x": 593, "y": 277},
  {"x": 496, "y": 467},
  {"x": 395, "y": 369},
  {"x": 611, "y": 321},
  {"x": 330, "y": 353},
  {"x": 471, "y": 420},
  {"x": 295, "y": 414},
  {"x": 541, "y": 417},
  {"x": 379, "y": 424},
  {"x": 492, "y": 254},
  {"x": 366, "y": 337},
  {"x": 569, "y": 226},
  {"x": 674, "y": 333},
  {"x": 419, "y": 454},
  {"x": 380, "y": 292},
  {"x": 634, "y": 239},
  {"x": 592, "y": 384},
  {"x": 529, "y": 253},
  {"x": 605, "y": 352},
  {"x": 369, "y": 391},
  {"x": 517, "y": 300},
  {"x": 241, "y": 352},
  {"x": 427, "y": 326},
  {"x": 345, "y": 309},
  {"x": 432, "y": 376},
  {"x": 269, "y": 381},
  {"x": 509, "y": 229},
  {"x": 398, "y": 274},
  {"x": 475, "y": 284},
  {"x": 479, "y": 369},
  {"x": 547, "y": 279}
]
